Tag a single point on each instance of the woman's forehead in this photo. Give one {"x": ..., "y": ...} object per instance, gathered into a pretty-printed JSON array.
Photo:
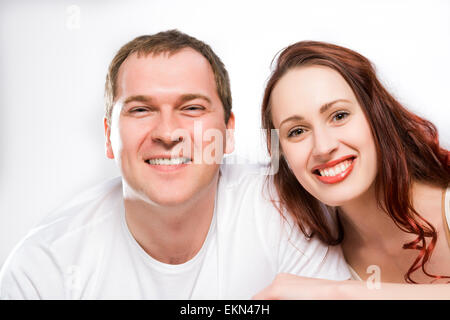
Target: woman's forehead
[{"x": 305, "y": 90}]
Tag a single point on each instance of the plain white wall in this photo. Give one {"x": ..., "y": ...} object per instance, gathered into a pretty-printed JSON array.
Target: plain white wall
[{"x": 54, "y": 57}]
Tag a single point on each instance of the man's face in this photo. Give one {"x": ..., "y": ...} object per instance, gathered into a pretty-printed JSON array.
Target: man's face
[{"x": 168, "y": 131}]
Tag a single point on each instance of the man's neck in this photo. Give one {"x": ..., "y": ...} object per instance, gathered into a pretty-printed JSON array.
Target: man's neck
[{"x": 172, "y": 234}]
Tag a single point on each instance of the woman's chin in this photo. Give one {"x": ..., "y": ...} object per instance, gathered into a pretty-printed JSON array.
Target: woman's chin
[
  {"x": 335, "y": 200},
  {"x": 341, "y": 197}
]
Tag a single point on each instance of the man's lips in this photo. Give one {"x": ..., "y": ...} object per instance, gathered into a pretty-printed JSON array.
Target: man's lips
[{"x": 167, "y": 163}]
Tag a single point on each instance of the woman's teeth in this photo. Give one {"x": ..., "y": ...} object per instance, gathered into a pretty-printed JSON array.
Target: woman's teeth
[
  {"x": 337, "y": 169},
  {"x": 168, "y": 162}
]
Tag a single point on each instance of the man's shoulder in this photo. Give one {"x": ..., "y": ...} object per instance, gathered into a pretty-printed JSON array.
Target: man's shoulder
[
  {"x": 246, "y": 190},
  {"x": 239, "y": 173},
  {"x": 67, "y": 236},
  {"x": 85, "y": 210}
]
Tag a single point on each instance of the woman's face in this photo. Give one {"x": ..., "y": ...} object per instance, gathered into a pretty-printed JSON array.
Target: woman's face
[{"x": 324, "y": 134}]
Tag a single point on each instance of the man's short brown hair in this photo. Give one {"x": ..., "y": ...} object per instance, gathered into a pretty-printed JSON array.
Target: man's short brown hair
[{"x": 170, "y": 42}]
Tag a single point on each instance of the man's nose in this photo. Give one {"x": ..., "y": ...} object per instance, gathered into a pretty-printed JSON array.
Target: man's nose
[
  {"x": 167, "y": 129},
  {"x": 325, "y": 143}
]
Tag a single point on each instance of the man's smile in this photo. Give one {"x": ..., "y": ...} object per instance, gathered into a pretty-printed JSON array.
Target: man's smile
[{"x": 168, "y": 161}]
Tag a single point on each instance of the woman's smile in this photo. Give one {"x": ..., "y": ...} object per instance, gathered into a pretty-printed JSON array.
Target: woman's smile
[{"x": 335, "y": 171}]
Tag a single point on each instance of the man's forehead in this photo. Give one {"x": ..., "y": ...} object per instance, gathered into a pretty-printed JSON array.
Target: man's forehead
[
  {"x": 183, "y": 59},
  {"x": 185, "y": 72}
]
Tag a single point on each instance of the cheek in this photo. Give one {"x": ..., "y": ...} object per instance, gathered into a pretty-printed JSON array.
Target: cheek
[
  {"x": 363, "y": 133},
  {"x": 371, "y": 159},
  {"x": 363, "y": 137},
  {"x": 129, "y": 136},
  {"x": 297, "y": 157},
  {"x": 210, "y": 135},
  {"x": 359, "y": 136}
]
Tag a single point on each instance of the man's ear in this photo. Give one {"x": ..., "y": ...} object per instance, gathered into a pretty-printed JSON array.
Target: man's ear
[
  {"x": 109, "y": 150},
  {"x": 229, "y": 146}
]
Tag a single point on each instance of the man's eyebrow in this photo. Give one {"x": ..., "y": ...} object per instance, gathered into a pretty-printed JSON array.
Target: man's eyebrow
[
  {"x": 327, "y": 105},
  {"x": 192, "y": 96},
  {"x": 182, "y": 99},
  {"x": 139, "y": 98}
]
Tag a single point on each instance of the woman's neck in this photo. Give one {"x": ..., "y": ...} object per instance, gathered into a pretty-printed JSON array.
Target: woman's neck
[
  {"x": 373, "y": 238},
  {"x": 366, "y": 224}
]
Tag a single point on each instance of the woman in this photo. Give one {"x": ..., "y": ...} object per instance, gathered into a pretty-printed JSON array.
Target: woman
[{"x": 378, "y": 168}]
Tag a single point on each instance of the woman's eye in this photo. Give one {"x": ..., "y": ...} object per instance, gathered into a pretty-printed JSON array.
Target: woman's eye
[
  {"x": 340, "y": 116},
  {"x": 295, "y": 132}
]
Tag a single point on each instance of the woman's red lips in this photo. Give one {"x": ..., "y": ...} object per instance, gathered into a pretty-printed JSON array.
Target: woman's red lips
[
  {"x": 332, "y": 163},
  {"x": 333, "y": 172}
]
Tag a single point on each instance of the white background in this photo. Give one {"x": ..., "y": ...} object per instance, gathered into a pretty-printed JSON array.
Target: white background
[{"x": 53, "y": 66}]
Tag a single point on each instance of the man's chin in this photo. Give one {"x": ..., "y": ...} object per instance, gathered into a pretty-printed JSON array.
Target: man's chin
[
  {"x": 170, "y": 193},
  {"x": 168, "y": 201},
  {"x": 165, "y": 196}
]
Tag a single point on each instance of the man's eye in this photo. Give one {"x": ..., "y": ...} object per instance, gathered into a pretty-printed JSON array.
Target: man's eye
[
  {"x": 295, "y": 132},
  {"x": 193, "y": 108},
  {"x": 339, "y": 116},
  {"x": 138, "y": 109}
]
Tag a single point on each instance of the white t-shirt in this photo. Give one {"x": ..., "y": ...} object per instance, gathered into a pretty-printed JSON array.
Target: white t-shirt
[{"x": 86, "y": 251}]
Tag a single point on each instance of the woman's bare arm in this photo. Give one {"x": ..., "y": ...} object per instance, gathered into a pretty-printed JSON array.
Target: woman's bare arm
[{"x": 292, "y": 287}]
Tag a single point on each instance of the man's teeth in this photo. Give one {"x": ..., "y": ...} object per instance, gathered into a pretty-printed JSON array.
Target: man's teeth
[
  {"x": 337, "y": 169},
  {"x": 168, "y": 162}
]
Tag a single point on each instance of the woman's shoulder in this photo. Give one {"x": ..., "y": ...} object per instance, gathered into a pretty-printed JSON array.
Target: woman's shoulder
[
  {"x": 432, "y": 202},
  {"x": 427, "y": 200},
  {"x": 446, "y": 212}
]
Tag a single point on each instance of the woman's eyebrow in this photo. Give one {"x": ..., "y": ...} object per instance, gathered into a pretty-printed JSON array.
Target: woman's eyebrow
[
  {"x": 322, "y": 109},
  {"x": 292, "y": 118},
  {"x": 327, "y": 105}
]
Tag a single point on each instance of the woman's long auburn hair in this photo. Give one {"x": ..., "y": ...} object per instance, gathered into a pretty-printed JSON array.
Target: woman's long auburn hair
[{"x": 407, "y": 150}]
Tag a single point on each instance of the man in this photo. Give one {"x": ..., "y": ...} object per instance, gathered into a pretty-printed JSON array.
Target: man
[{"x": 176, "y": 225}]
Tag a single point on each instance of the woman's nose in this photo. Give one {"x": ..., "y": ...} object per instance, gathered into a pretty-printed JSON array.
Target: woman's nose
[{"x": 325, "y": 143}]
